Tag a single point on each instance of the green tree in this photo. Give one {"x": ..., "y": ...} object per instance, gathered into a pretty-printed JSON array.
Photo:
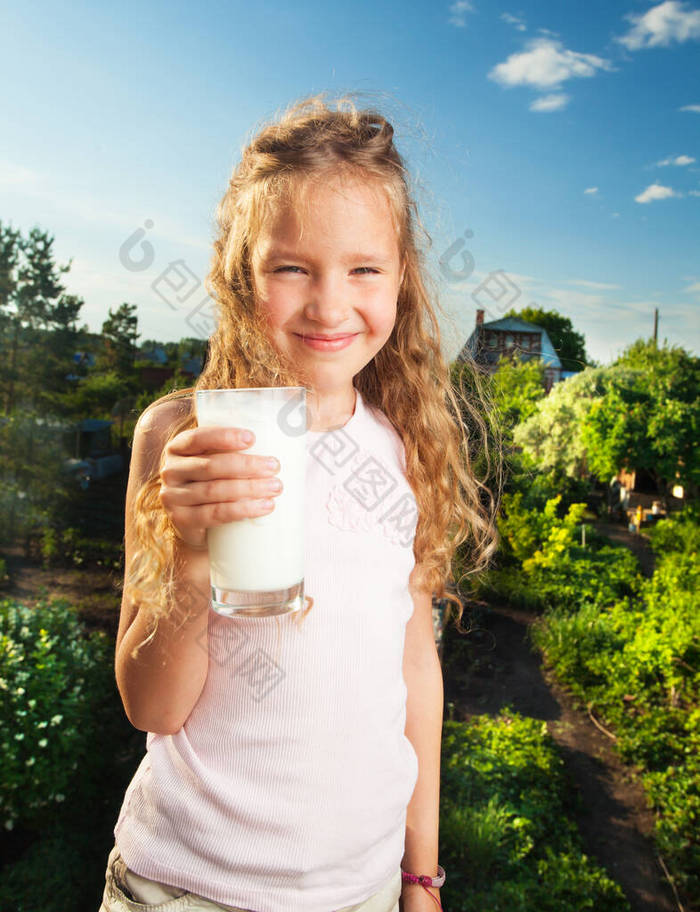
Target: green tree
[
  {"x": 551, "y": 436},
  {"x": 191, "y": 347},
  {"x": 53, "y": 361},
  {"x": 32, "y": 485},
  {"x": 568, "y": 344},
  {"x": 650, "y": 416},
  {"x": 120, "y": 332},
  {"x": 517, "y": 387},
  {"x": 39, "y": 321},
  {"x": 10, "y": 251},
  {"x": 643, "y": 412},
  {"x": 96, "y": 395}
]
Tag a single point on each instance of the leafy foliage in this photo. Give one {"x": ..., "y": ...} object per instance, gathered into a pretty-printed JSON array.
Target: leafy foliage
[
  {"x": 120, "y": 333},
  {"x": 637, "y": 662},
  {"x": 516, "y": 388},
  {"x": 68, "y": 754},
  {"x": 641, "y": 413},
  {"x": 34, "y": 310},
  {"x": 32, "y": 485},
  {"x": 551, "y": 436},
  {"x": 67, "y": 547},
  {"x": 505, "y": 829},
  {"x": 49, "y": 675},
  {"x": 544, "y": 567}
]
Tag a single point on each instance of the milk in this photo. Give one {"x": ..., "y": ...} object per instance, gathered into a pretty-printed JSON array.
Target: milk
[{"x": 263, "y": 553}]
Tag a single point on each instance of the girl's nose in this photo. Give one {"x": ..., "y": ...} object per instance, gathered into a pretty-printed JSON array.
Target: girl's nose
[{"x": 327, "y": 301}]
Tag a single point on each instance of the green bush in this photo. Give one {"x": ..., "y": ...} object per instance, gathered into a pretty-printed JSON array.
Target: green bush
[
  {"x": 68, "y": 754},
  {"x": 636, "y": 661},
  {"x": 545, "y": 568},
  {"x": 49, "y": 673},
  {"x": 67, "y": 547},
  {"x": 679, "y": 533},
  {"x": 505, "y": 828},
  {"x": 627, "y": 647}
]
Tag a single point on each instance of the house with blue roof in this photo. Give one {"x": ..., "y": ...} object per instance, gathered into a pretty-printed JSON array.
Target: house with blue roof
[{"x": 512, "y": 337}]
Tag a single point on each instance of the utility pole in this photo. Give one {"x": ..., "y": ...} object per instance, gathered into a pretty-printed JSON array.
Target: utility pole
[{"x": 656, "y": 324}]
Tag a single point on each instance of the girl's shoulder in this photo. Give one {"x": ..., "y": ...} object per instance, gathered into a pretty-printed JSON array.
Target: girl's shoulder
[
  {"x": 155, "y": 426},
  {"x": 158, "y": 417}
]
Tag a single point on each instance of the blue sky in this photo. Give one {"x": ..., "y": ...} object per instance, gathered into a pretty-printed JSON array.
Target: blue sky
[{"x": 555, "y": 147}]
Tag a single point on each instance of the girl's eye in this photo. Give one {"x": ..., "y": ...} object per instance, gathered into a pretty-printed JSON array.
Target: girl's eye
[{"x": 365, "y": 269}]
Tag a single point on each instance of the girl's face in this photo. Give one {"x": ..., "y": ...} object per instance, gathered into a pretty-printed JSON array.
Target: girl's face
[{"x": 339, "y": 276}]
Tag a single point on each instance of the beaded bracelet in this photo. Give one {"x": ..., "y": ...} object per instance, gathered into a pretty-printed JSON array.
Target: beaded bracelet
[{"x": 426, "y": 881}]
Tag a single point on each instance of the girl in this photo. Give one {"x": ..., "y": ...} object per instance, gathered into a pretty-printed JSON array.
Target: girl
[{"x": 295, "y": 765}]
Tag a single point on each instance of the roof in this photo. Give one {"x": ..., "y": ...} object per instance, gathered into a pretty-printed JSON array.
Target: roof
[{"x": 513, "y": 323}]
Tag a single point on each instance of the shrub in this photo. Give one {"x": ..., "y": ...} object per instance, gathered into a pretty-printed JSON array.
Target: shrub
[
  {"x": 545, "y": 568},
  {"x": 68, "y": 754},
  {"x": 637, "y": 661},
  {"x": 680, "y": 533},
  {"x": 505, "y": 829},
  {"x": 67, "y": 547},
  {"x": 49, "y": 673}
]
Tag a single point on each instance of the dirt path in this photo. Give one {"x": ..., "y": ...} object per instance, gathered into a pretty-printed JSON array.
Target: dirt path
[{"x": 614, "y": 820}]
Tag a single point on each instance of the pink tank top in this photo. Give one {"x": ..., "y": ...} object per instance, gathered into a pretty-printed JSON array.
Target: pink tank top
[{"x": 286, "y": 789}]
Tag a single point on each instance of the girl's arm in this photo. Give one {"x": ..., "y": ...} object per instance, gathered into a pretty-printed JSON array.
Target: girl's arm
[
  {"x": 424, "y": 707},
  {"x": 161, "y": 686}
]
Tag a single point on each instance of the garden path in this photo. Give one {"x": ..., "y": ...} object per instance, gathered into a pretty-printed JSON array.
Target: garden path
[{"x": 499, "y": 668}]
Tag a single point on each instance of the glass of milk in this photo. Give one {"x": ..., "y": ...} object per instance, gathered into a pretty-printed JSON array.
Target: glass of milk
[{"x": 257, "y": 564}]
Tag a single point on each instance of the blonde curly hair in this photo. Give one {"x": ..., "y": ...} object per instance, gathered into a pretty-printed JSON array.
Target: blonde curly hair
[{"x": 444, "y": 430}]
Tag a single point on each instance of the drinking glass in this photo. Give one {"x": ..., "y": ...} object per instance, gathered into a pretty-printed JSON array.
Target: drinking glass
[{"x": 257, "y": 564}]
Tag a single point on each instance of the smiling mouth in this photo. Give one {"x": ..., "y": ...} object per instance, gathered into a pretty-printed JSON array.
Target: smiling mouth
[{"x": 326, "y": 338}]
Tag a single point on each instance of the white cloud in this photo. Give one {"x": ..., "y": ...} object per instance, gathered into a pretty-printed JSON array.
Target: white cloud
[
  {"x": 654, "y": 192},
  {"x": 693, "y": 289},
  {"x": 678, "y": 160},
  {"x": 458, "y": 11},
  {"x": 694, "y": 192},
  {"x": 601, "y": 286},
  {"x": 550, "y": 102},
  {"x": 545, "y": 64},
  {"x": 16, "y": 177},
  {"x": 662, "y": 24},
  {"x": 515, "y": 21},
  {"x": 695, "y": 108},
  {"x": 591, "y": 190}
]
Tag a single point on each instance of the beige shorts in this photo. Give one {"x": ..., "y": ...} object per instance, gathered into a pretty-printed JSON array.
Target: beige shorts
[{"x": 126, "y": 891}]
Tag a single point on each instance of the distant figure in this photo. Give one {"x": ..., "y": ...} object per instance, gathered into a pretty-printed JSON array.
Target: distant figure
[
  {"x": 624, "y": 499},
  {"x": 615, "y": 490}
]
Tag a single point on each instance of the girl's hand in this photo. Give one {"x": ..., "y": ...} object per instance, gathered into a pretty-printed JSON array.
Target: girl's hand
[{"x": 206, "y": 481}]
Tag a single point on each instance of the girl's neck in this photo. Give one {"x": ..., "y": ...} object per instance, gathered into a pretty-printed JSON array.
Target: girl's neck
[{"x": 329, "y": 412}]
